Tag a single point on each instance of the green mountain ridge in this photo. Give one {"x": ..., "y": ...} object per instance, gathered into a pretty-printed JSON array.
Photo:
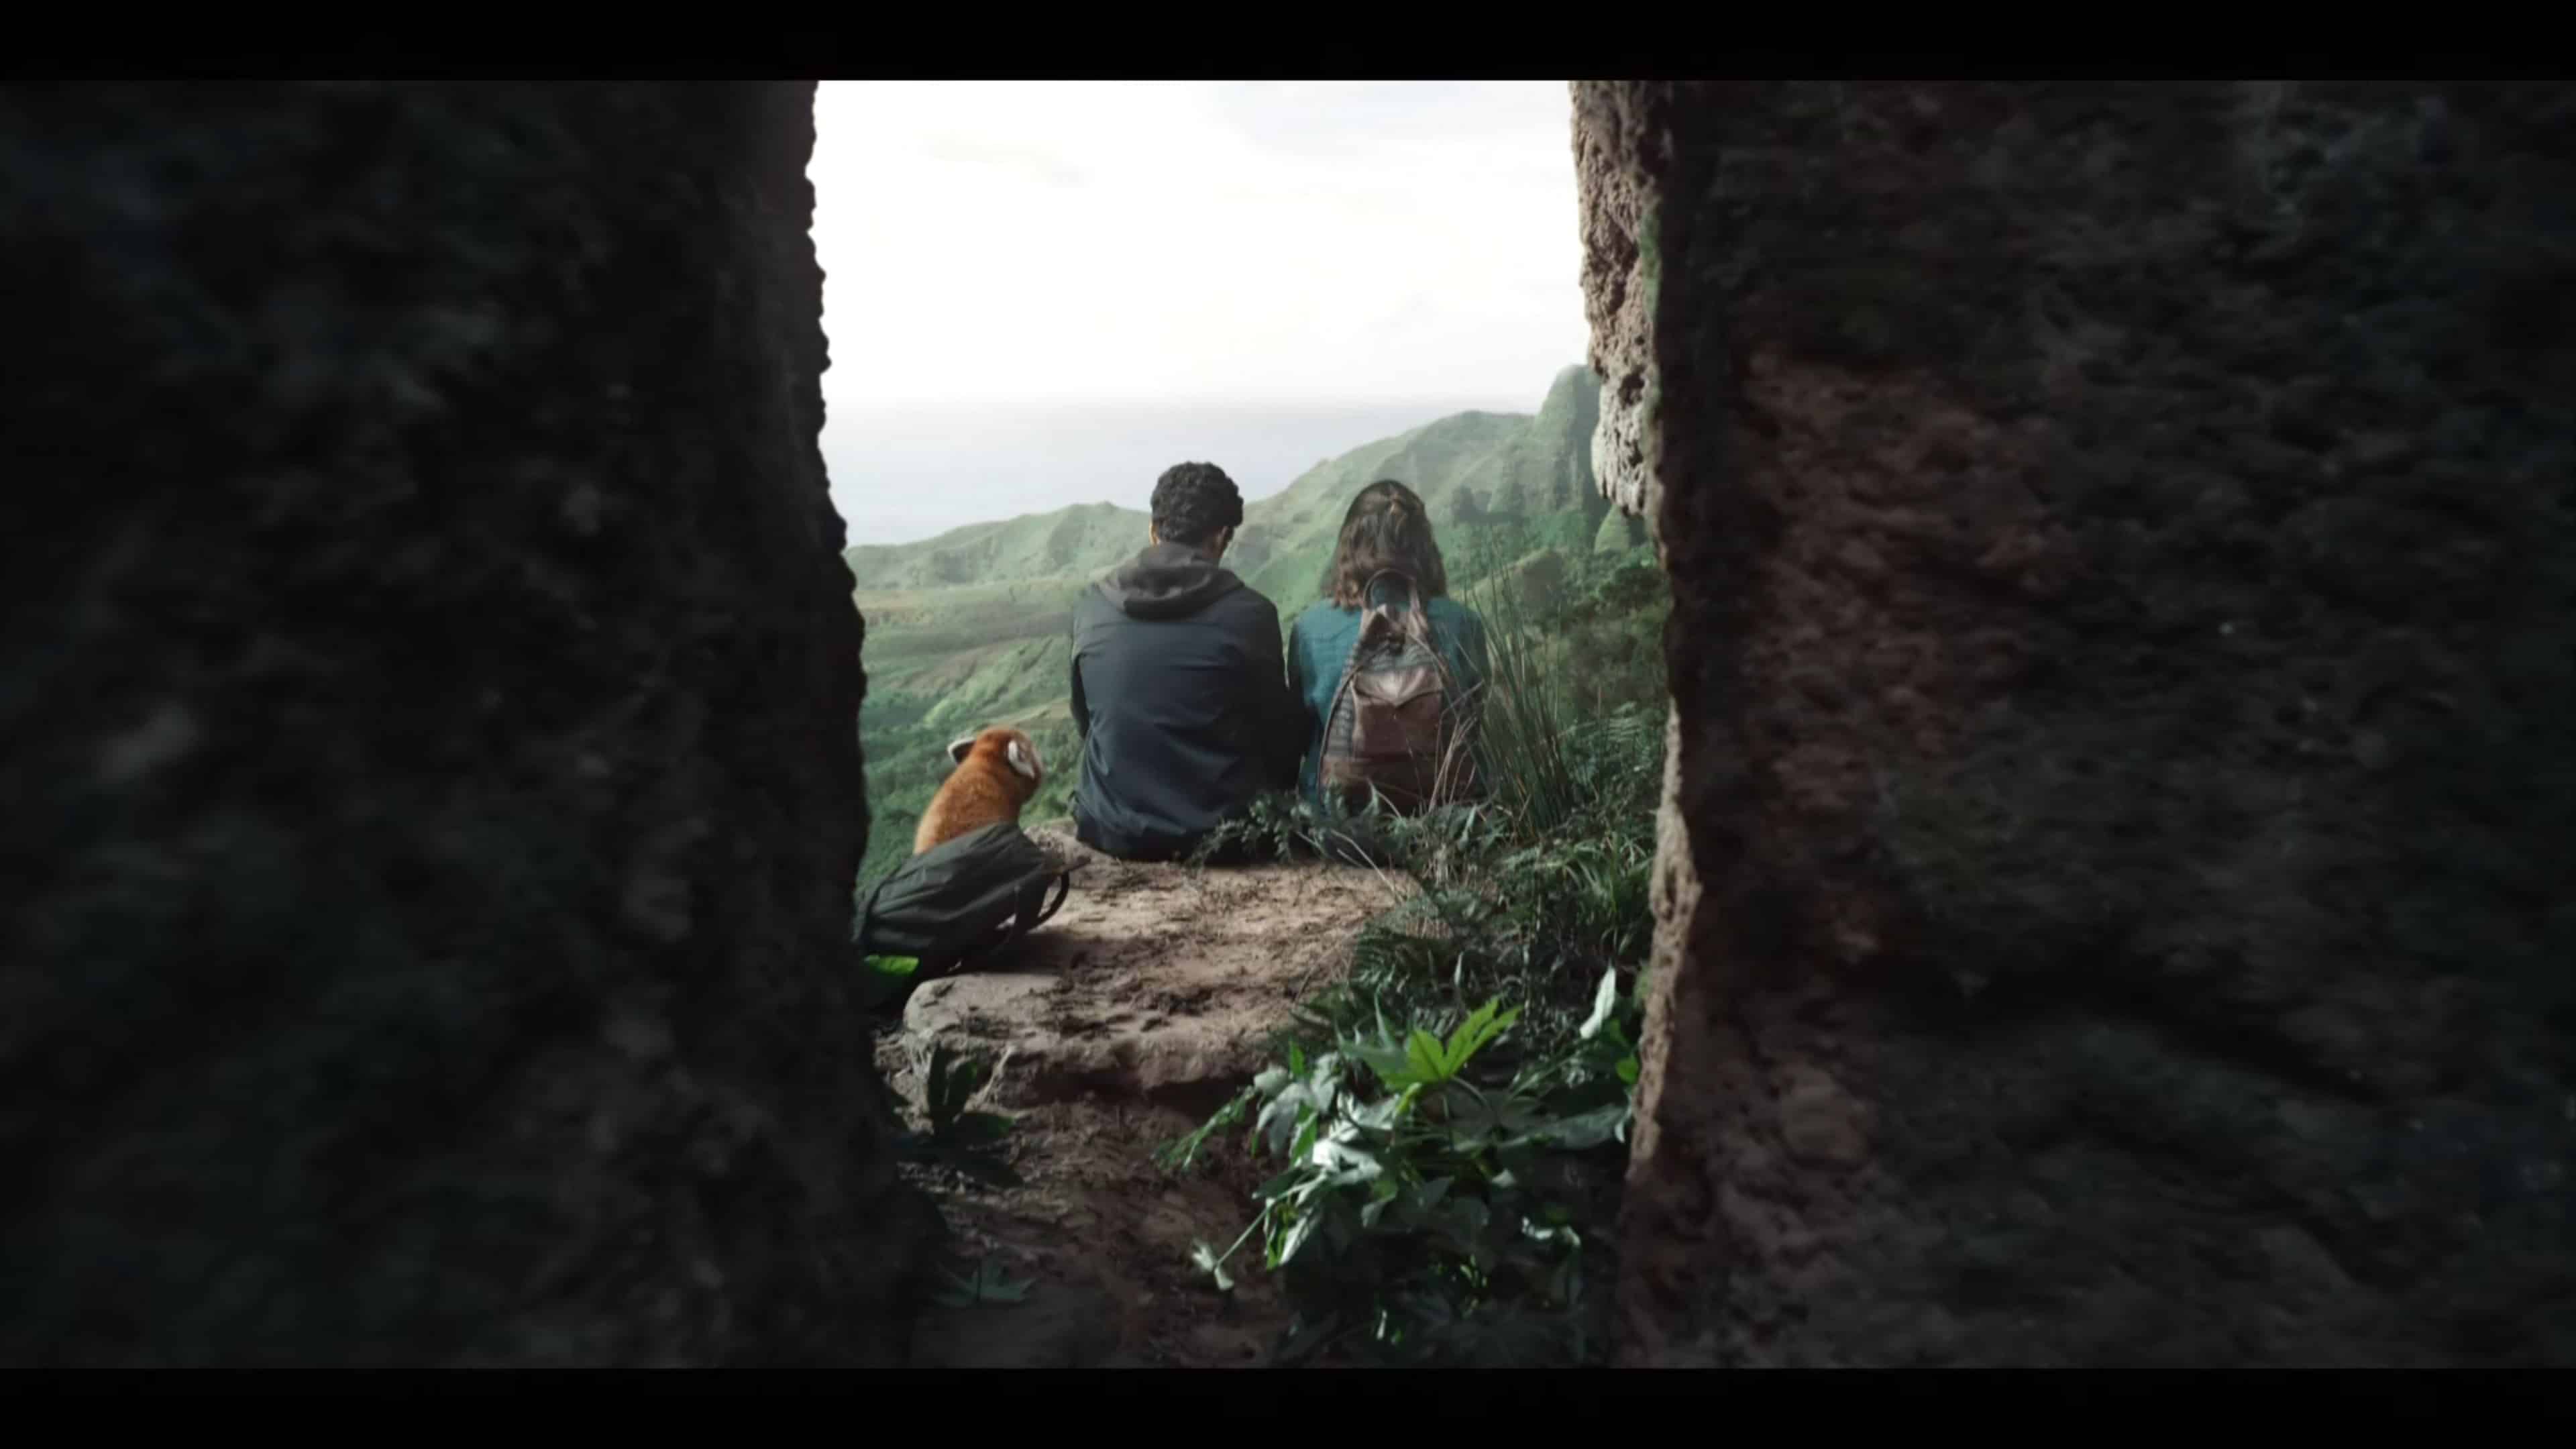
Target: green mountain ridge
[
  {"x": 1507, "y": 462},
  {"x": 1069, "y": 540}
]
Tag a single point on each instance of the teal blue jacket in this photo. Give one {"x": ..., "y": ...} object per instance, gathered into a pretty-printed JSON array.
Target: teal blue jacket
[{"x": 1319, "y": 648}]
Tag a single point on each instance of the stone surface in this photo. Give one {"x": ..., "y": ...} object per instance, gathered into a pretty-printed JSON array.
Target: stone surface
[
  {"x": 1616, "y": 160},
  {"x": 2111, "y": 897},
  {"x": 430, "y": 684},
  {"x": 1154, "y": 982}
]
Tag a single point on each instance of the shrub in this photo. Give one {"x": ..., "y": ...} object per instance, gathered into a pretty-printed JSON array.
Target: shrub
[{"x": 1432, "y": 1213}]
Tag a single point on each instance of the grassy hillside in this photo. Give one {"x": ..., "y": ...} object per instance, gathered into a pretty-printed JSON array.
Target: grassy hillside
[
  {"x": 1084, "y": 538},
  {"x": 968, "y": 629}
]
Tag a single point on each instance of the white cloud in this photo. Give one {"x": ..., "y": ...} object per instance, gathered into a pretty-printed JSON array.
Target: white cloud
[
  {"x": 998, "y": 246},
  {"x": 986, "y": 243}
]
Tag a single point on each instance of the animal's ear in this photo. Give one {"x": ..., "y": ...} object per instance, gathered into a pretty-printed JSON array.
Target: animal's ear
[
  {"x": 1024, "y": 759},
  {"x": 958, "y": 747}
]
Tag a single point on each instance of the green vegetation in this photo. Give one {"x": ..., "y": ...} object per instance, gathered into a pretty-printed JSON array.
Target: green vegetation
[
  {"x": 1435, "y": 1208},
  {"x": 956, "y": 1141},
  {"x": 985, "y": 1284},
  {"x": 1450, "y": 1120},
  {"x": 966, "y": 1143}
]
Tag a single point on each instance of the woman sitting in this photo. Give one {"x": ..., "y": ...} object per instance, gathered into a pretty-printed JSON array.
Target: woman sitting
[{"x": 1386, "y": 558}]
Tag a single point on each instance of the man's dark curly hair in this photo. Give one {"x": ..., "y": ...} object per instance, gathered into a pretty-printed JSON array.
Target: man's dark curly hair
[{"x": 1193, "y": 502}]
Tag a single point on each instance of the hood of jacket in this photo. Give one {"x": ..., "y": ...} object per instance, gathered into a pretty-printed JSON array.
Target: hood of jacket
[{"x": 1167, "y": 581}]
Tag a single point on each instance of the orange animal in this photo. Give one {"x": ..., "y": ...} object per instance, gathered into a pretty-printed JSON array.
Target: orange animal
[{"x": 997, "y": 771}]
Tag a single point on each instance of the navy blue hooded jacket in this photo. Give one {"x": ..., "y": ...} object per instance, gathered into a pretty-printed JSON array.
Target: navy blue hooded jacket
[{"x": 1180, "y": 691}]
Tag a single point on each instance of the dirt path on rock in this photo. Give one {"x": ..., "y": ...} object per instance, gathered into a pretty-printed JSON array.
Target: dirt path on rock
[{"x": 1116, "y": 1028}]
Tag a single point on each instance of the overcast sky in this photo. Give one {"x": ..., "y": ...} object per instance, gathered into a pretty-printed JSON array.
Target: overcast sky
[{"x": 1285, "y": 269}]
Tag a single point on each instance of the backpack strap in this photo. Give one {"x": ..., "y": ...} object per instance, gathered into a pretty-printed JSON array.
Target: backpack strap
[
  {"x": 1034, "y": 909},
  {"x": 1063, "y": 888},
  {"x": 1415, "y": 615},
  {"x": 1350, "y": 661}
]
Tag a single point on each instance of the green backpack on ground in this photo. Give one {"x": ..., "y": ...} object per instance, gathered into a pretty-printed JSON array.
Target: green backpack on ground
[{"x": 955, "y": 903}]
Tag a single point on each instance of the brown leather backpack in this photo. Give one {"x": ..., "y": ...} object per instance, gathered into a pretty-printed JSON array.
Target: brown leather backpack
[{"x": 1394, "y": 730}]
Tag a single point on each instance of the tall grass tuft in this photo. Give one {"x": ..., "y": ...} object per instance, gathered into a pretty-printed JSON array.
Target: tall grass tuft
[{"x": 1523, "y": 712}]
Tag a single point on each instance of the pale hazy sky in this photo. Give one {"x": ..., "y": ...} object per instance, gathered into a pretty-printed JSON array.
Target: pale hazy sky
[{"x": 1284, "y": 269}]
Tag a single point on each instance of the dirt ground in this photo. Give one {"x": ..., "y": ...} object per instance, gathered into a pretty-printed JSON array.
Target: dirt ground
[{"x": 1116, "y": 1028}]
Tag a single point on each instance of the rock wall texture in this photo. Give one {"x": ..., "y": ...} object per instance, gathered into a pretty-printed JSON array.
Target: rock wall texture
[
  {"x": 430, "y": 686},
  {"x": 2113, "y": 897},
  {"x": 1615, "y": 161}
]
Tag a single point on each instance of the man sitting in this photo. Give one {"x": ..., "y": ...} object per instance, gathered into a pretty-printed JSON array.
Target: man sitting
[{"x": 1179, "y": 684}]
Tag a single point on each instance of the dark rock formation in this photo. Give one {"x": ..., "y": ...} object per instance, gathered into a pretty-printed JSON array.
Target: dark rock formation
[
  {"x": 2113, "y": 890},
  {"x": 430, "y": 687}
]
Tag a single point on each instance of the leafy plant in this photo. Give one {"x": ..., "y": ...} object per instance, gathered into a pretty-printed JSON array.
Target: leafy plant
[
  {"x": 1427, "y": 1061},
  {"x": 1279, "y": 825},
  {"x": 985, "y": 1284},
  {"x": 1425, "y": 1213},
  {"x": 960, "y": 1140},
  {"x": 1181, "y": 1154}
]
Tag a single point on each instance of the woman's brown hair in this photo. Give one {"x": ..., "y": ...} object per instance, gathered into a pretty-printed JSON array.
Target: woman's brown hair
[{"x": 1386, "y": 528}]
